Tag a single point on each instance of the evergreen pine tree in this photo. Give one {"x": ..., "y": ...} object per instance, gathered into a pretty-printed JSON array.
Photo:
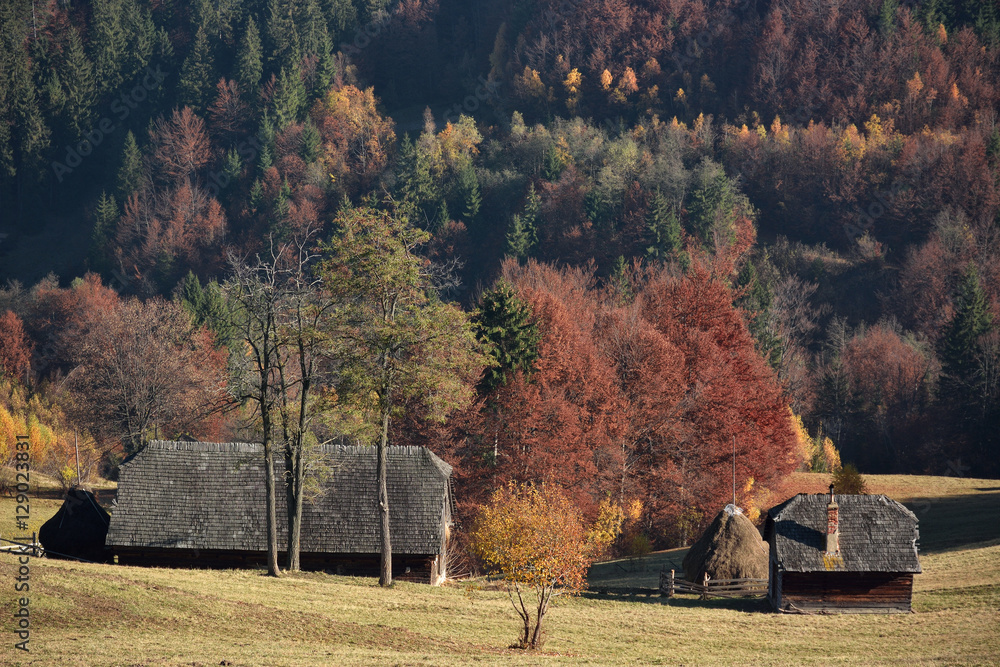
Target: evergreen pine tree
[
  {"x": 443, "y": 216},
  {"x": 311, "y": 27},
  {"x": 663, "y": 228},
  {"x": 108, "y": 43},
  {"x": 105, "y": 221},
  {"x": 141, "y": 38},
  {"x": 416, "y": 183},
  {"x": 79, "y": 86},
  {"x": 553, "y": 164},
  {"x": 282, "y": 37},
  {"x": 519, "y": 243},
  {"x": 468, "y": 184},
  {"x": 960, "y": 340},
  {"x": 887, "y": 17},
  {"x": 507, "y": 327},
  {"x": 289, "y": 98},
  {"x": 192, "y": 298},
  {"x": 532, "y": 210},
  {"x": 130, "y": 171},
  {"x": 326, "y": 68},
  {"x": 341, "y": 16},
  {"x": 311, "y": 142},
  {"x": 197, "y": 80},
  {"x": 33, "y": 135},
  {"x": 249, "y": 60}
]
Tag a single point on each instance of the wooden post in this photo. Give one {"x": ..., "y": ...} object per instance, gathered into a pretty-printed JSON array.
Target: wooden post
[
  {"x": 671, "y": 588},
  {"x": 704, "y": 583}
]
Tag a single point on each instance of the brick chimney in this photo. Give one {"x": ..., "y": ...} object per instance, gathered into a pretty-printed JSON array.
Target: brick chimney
[{"x": 832, "y": 525}]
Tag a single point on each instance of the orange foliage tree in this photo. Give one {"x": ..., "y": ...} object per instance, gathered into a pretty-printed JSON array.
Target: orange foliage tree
[
  {"x": 145, "y": 366},
  {"x": 15, "y": 348},
  {"x": 534, "y": 538}
]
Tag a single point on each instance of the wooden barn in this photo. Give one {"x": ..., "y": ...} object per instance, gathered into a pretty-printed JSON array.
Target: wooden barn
[
  {"x": 198, "y": 504},
  {"x": 841, "y": 554}
]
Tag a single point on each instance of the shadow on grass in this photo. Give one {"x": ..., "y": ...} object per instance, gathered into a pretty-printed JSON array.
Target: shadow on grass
[
  {"x": 956, "y": 521},
  {"x": 747, "y": 605}
]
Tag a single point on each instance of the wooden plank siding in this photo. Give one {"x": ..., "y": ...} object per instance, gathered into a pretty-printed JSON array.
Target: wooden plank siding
[{"x": 861, "y": 592}]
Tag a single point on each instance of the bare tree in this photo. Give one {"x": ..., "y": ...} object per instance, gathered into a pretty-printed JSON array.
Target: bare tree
[
  {"x": 255, "y": 295},
  {"x": 143, "y": 365}
]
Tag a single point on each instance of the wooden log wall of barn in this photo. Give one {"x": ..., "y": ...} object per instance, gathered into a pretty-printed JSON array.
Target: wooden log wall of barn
[{"x": 838, "y": 591}]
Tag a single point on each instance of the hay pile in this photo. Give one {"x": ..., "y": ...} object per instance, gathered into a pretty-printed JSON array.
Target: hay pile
[
  {"x": 731, "y": 548},
  {"x": 78, "y": 529}
]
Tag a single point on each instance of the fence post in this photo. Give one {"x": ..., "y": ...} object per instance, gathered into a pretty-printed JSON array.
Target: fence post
[
  {"x": 704, "y": 583},
  {"x": 670, "y": 594}
]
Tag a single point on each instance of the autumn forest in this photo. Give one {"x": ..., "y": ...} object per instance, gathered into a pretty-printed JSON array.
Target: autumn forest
[{"x": 600, "y": 244}]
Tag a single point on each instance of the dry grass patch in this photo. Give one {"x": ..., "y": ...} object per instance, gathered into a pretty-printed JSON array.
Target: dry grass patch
[{"x": 106, "y": 615}]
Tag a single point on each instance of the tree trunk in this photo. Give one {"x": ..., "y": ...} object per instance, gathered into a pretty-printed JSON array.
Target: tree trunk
[
  {"x": 296, "y": 479},
  {"x": 385, "y": 574},
  {"x": 272, "y": 512},
  {"x": 296, "y": 469}
]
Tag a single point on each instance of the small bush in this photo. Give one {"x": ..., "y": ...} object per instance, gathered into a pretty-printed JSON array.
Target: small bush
[
  {"x": 639, "y": 546},
  {"x": 848, "y": 481}
]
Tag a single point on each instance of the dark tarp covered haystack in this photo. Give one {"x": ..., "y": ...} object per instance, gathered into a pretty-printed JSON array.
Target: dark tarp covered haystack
[
  {"x": 731, "y": 548},
  {"x": 78, "y": 529}
]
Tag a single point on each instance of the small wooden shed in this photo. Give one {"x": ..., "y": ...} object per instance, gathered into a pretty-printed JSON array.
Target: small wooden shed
[
  {"x": 841, "y": 554},
  {"x": 199, "y": 504}
]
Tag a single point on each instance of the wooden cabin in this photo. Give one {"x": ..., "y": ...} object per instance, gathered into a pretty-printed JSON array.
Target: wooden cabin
[
  {"x": 198, "y": 504},
  {"x": 841, "y": 554}
]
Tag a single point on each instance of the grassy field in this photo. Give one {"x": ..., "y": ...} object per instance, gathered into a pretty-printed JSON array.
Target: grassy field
[{"x": 86, "y": 614}]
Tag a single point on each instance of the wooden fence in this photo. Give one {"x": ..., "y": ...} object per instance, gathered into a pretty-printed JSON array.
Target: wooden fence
[
  {"x": 33, "y": 548},
  {"x": 670, "y": 585}
]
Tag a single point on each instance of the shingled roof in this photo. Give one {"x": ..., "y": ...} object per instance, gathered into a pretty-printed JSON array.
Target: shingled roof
[
  {"x": 198, "y": 495},
  {"x": 877, "y": 534}
]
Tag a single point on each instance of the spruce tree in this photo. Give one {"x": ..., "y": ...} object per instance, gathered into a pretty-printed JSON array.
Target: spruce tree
[
  {"x": 78, "y": 85},
  {"x": 108, "y": 43},
  {"x": 507, "y": 327},
  {"x": 197, "y": 80},
  {"x": 532, "y": 210},
  {"x": 105, "y": 221},
  {"x": 282, "y": 36},
  {"x": 663, "y": 228},
  {"x": 130, "y": 171},
  {"x": 341, "y": 16},
  {"x": 518, "y": 238},
  {"x": 289, "y": 98},
  {"x": 468, "y": 184},
  {"x": 960, "y": 341},
  {"x": 311, "y": 142},
  {"x": 249, "y": 60},
  {"x": 326, "y": 68},
  {"x": 141, "y": 38}
]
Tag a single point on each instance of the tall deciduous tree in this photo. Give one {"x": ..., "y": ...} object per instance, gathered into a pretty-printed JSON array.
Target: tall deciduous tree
[
  {"x": 255, "y": 292},
  {"x": 395, "y": 339},
  {"x": 143, "y": 365}
]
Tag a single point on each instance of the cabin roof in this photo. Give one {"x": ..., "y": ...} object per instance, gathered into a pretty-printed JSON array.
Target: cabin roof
[
  {"x": 199, "y": 495},
  {"x": 877, "y": 534}
]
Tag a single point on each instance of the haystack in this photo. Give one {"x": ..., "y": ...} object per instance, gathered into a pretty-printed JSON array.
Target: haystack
[
  {"x": 731, "y": 548},
  {"x": 78, "y": 529}
]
